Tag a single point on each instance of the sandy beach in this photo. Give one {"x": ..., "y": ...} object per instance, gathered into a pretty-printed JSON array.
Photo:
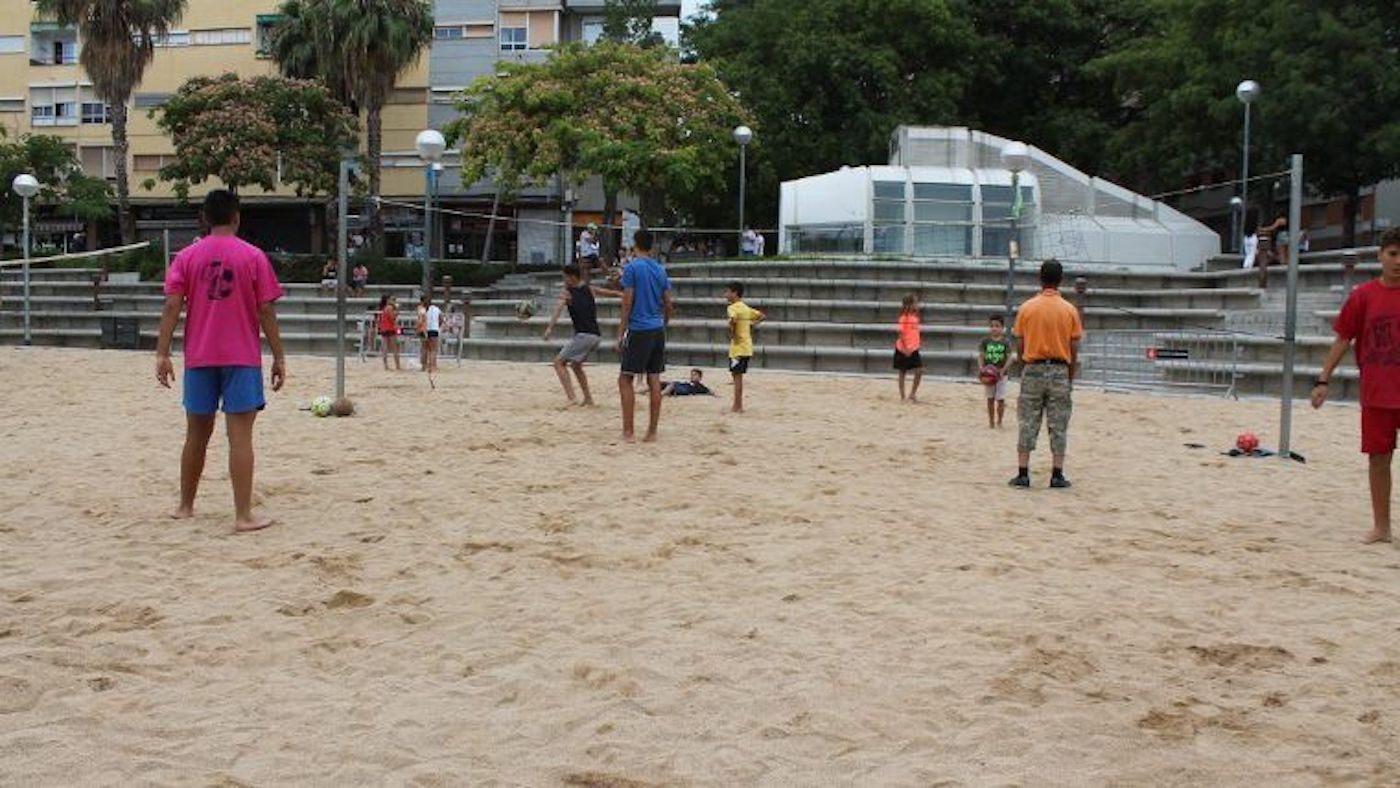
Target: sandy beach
[{"x": 469, "y": 585}]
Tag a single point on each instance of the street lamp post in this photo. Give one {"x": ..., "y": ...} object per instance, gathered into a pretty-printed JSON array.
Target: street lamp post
[
  {"x": 430, "y": 145},
  {"x": 26, "y": 186},
  {"x": 1015, "y": 157},
  {"x": 742, "y": 135},
  {"x": 1247, "y": 91},
  {"x": 1236, "y": 219}
]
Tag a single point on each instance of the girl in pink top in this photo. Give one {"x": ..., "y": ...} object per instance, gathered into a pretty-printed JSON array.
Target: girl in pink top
[{"x": 906, "y": 347}]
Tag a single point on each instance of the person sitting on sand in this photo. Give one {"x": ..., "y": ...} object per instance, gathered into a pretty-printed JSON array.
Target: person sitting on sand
[
  {"x": 227, "y": 289},
  {"x": 1371, "y": 319},
  {"x": 693, "y": 387}
]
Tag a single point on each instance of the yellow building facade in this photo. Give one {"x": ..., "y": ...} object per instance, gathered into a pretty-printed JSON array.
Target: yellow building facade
[{"x": 44, "y": 90}]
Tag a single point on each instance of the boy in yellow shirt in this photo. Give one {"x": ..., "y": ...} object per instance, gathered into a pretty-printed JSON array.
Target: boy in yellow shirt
[{"x": 742, "y": 319}]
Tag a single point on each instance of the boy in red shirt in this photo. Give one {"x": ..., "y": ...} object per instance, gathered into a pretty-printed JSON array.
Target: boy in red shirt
[
  {"x": 227, "y": 288},
  {"x": 1371, "y": 319}
]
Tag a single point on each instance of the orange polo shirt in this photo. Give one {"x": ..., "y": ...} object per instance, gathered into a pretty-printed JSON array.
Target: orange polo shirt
[{"x": 1048, "y": 325}]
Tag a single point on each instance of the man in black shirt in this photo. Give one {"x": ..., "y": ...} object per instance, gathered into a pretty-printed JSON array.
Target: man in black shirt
[{"x": 578, "y": 298}]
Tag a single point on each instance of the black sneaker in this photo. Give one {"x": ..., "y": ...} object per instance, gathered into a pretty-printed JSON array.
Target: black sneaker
[
  {"x": 1059, "y": 483},
  {"x": 1021, "y": 480}
]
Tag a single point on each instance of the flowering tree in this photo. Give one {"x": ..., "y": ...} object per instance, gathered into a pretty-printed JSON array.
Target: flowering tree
[
  {"x": 636, "y": 117},
  {"x": 265, "y": 132}
]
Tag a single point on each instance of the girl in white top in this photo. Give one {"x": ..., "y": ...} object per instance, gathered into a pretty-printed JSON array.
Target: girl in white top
[{"x": 433, "y": 320}]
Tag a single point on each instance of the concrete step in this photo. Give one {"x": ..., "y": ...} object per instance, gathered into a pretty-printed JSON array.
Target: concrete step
[{"x": 840, "y": 311}]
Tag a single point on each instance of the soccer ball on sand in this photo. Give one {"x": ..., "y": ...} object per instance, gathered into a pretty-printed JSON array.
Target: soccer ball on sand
[
  {"x": 525, "y": 309},
  {"x": 321, "y": 406}
]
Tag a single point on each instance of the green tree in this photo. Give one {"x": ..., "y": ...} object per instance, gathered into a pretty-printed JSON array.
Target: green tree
[
  {"x": 1031, "y": 81},
  {"x": 1330, "y": 82},
  {"x": 829, "y": 80},
  {"x": 263, "y": 132},
  {"x": 51, "y": 161},
  {"x": 637, "y": 118},
  {"x": 358, "y": 48},
  {"x": 118, "y": 43},
  {"x": 631, "y": 22}
]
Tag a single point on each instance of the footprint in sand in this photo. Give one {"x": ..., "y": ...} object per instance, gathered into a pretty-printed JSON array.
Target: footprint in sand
[
  {"x": 345, "y": 598},
  {"x": 1242, "y": 655},
  {"x": 17, "y": 695}
]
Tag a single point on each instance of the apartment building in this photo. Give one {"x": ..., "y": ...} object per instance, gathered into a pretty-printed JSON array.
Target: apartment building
[{"x": 44, "y": 90}]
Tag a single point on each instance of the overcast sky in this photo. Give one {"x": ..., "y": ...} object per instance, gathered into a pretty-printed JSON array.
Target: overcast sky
[{"x": 689, "y": 7}]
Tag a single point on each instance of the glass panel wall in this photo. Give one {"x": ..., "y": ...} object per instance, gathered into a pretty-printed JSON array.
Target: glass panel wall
[
  {"x": 942, "y": 219},
  {"x": 827, "y": 238},
  {"x": 996, "y": 221},
  {"x": 890, "y": 215}
]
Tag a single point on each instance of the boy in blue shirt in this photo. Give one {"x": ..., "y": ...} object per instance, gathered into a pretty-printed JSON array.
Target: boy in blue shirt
[{"x": 646, "y": 309}]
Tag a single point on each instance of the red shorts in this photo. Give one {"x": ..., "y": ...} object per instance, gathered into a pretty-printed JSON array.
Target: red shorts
[{"x": 1378, "y": 428}]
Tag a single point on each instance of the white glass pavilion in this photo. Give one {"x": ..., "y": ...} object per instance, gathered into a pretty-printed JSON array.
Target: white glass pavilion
[{"x": 947, "y": 194}]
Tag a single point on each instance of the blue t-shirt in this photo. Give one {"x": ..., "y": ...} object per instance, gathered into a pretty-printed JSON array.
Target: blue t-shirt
[{"x": 648, "y": 282}]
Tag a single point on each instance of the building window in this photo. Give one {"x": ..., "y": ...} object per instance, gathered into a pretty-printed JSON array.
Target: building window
[
  {"x": 592, "y": 30},
  {"x": 11, "y": 104},
  {"x": 224, "y": 36},
  {"x": 267, "y": 29},
  {"x": 11, "y": 45},
  {"x": 515, "y": 39},
  {"x": 175, "y": 38},
  {"x": 95, "y": 112},
  {"x": 42, "y": 114},
  {"x": 99, "y": 161},
  {"x": 448, "y": 32},
  {"x": 150, "y": 100},
  {"x": 151, "y": 162}
]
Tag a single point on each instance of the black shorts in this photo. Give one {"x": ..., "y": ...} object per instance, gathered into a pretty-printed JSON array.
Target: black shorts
[
  {"x": 739, "y": 365},
  {"x": 911, "y": 361},
  {"x": 644, "y": 352},
  {"x": 432, "y": 335}
]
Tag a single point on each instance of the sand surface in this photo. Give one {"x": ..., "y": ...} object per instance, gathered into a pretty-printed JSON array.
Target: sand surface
[{"x": 470, "y": 585}]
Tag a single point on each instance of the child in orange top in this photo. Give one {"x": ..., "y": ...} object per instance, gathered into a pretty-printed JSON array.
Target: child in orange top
[{"x": 906, "y": 348}]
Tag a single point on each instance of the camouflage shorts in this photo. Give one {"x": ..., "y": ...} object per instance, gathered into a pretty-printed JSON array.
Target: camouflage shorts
[{"x": 1045, "y": 393}]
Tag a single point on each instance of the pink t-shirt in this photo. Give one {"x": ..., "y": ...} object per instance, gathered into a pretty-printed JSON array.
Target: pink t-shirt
[{"x": 224, "y": 280}]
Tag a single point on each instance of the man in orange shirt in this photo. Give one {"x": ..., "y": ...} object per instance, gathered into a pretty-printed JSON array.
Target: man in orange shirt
[{"x": 1048, "y": 331}]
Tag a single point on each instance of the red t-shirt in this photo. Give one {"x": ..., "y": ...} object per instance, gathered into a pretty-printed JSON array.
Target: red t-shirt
[{"x": 1371, "y": 317}]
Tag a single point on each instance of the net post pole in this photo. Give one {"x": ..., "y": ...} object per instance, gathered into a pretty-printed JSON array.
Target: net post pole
[
  {"x": 165, "y": 249},
  {"x": 27, "y": 338},
  {"x": 1290, "y": 324},
  {"x": 342, "y": 247}
]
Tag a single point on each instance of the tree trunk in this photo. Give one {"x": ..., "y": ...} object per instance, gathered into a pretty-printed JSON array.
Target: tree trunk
[
  {"x": 120, "y": 148},
  {"x": 1349, "y": 210},
  {"x": 610, "y": 233},
  {"x": 374, "y": 144}
]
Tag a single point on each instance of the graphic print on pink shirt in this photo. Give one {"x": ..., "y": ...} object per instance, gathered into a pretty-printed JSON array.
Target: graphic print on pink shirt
[{"x": 224, "y": 280}]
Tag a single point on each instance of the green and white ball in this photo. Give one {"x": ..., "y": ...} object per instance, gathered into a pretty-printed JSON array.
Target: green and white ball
[{"x": 321, "y": 406}]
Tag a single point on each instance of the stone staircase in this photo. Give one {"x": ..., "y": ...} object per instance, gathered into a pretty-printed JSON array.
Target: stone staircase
[{"x": 825, "y": 315}]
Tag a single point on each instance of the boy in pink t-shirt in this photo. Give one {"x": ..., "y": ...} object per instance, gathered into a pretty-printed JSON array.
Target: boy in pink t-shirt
[{"x": 227, "y": 289}]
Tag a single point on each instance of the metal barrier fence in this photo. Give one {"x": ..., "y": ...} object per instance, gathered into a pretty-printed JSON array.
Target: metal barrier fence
[{"x": 1200, "y": 361}]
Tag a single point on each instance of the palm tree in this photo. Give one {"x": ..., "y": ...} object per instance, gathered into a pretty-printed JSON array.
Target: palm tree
[
  {"x": 119, "y": 38},
  {"x": 358, "y": 48}
]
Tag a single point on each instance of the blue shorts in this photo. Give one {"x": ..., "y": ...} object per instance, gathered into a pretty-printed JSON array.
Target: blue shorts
[{"x": 240, "y": 389}]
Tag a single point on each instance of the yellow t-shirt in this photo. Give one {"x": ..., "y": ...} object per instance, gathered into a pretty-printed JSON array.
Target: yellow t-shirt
[{"x": 741, "y": 315}]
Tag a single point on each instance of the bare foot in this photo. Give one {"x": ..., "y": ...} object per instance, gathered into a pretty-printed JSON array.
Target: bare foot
[
  {"x": 1376, "y": 537},
  {"x": 650, "y": 438},
  {"x": 628, "y": 437},
  {"x": 588, "y": 403},
  {"x": 249, "y": 524},
  {"x": 182, "y": 513}
]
